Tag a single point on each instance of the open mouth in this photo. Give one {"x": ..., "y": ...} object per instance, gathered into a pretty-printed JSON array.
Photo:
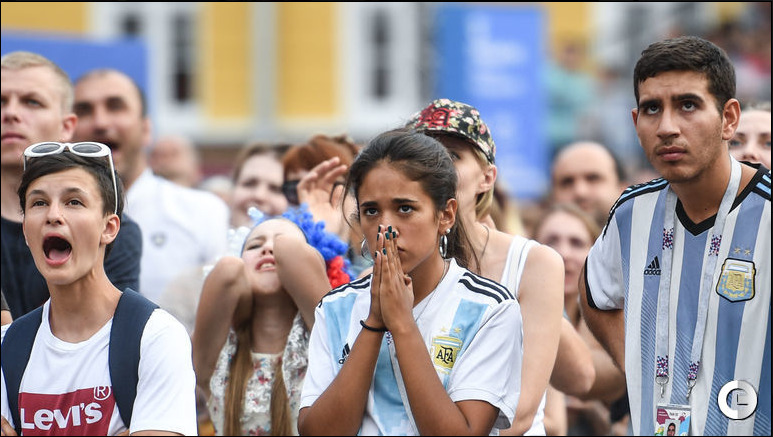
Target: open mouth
[
  {"x": 56, "y": 249},
  {"x": 268, "y": 265}
]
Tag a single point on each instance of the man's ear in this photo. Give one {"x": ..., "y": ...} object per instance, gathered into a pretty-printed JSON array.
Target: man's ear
[
  {"x": 68, "y": 126},
  {"x": 731, "y": 115},
  {"x": 110, "y": 232}
]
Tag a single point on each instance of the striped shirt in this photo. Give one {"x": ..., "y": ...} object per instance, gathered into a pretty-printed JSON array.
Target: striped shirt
[
  {"x": 471, "y": 327},
  {"x": 624, "y": 270}
]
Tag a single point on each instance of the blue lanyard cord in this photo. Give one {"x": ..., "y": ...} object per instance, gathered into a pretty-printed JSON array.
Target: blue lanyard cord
[{"x": 664, "y": 290}]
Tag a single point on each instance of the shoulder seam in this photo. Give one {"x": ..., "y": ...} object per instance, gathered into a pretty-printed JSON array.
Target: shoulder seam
[{"x": 634, "y": 191}]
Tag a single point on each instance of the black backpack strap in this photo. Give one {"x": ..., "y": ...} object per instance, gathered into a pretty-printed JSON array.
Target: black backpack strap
[
  {"x": 17, "y": 347},
  {"x": 131, "y": 315}
]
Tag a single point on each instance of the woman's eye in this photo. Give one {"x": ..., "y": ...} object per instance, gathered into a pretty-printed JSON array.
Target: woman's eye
[{"x": 405, "y": 208}]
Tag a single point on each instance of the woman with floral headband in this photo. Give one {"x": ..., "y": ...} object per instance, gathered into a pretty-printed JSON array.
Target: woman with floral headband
[{"x": 250, "y": 341}]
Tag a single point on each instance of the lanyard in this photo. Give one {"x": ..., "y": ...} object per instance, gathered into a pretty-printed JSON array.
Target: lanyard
[{"x": 664, "y": 291}]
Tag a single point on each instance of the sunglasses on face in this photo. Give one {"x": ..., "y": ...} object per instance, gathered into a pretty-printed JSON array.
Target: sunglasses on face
[
  {"x": 290, "y": 190},
  {"x": 86, "y": 149}
]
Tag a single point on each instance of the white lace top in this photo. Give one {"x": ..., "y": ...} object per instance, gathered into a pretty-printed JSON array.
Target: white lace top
[{"x": 256, "y": 418}]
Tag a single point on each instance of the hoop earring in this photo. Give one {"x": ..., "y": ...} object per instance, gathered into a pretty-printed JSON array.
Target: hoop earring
[
  {"x": 444, "y": 244},
  {"x": 364, "y": 250}
]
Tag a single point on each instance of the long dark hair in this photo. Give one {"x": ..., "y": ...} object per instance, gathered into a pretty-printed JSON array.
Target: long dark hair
[{"x": 422, "y": 159}]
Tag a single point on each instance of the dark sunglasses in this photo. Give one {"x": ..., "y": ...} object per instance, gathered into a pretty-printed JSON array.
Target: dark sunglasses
[{"x": 290, "y": 190}]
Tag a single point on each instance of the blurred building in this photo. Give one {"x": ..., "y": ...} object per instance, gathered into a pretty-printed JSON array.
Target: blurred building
[{"x": 224, "y": 73}]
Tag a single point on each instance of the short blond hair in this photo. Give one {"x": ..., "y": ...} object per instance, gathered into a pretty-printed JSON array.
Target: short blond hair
[{"x": 20, "y": 60}]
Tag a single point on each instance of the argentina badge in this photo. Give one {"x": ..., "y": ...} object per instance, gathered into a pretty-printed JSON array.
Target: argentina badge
[
  {"x": 444, "y": 352},
  {"x": 736, "y": 282}
]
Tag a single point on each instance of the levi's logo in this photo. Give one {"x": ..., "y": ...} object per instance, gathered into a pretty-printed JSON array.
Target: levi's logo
[{"x": 82, "y": 412}]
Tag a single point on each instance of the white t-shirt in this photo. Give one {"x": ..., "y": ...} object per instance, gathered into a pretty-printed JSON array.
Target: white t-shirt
[
  {"x": 66, "y": 388},
  {"x": 182, "y": 228},
  {"x": 471, "y": 327}
]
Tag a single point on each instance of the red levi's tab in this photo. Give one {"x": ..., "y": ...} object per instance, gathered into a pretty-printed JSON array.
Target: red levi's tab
[{"x": 83, "y": 412}]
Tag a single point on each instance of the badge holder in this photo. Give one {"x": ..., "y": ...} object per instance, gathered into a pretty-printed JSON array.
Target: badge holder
[{"x": 672, "y": 419}]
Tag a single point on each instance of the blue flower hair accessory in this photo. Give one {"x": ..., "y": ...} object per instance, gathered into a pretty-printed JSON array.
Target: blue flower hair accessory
[{"x": 327, "y": 243}]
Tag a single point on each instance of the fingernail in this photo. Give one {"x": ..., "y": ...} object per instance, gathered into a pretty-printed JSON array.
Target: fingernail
[
  {"x": 389, "y": 229},
  {"x": 383, "y": 251},
  {"x": 387, "y": 235},
  {"x": 377, "y": 236},
  {"x": 375, "y": 254},
  {"x": 394, "y": 235}
]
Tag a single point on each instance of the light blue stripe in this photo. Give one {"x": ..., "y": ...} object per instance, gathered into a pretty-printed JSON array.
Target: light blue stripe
[
  {"x": 764, "y": 188},
  {"x": 388, "y": 410},
  {"x": 649, "y": 311},
  {"x": 687, "y": 312},
  {"x": 338, "y": 313},
  {"x": 730, "y": 316},
  {"x": 465, "y": 325},
  {"x": 762, "y": 415}
]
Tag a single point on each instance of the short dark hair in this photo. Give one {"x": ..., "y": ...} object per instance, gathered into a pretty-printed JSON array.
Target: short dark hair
[
  {"x": 688, "y": 53},
  {"x": 49, "y": 164}
]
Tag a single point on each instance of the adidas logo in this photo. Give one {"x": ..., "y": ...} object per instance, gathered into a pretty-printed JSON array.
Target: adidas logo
[
  {"x": 344, "y": 354},
  {"x": 653, "y": 268}
]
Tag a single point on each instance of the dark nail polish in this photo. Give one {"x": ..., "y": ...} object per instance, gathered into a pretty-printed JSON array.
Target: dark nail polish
[
  {"x": 389, "y": 229},
  {"x": 383, "y": 251},
  {"x": 387, "y": 235},
  {"x": 377, "y": 236}
]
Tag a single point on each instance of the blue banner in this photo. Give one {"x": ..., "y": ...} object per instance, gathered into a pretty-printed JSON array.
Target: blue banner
[
  {"x": 493, "y": 58},
  {"x": 77, "y": 56}
]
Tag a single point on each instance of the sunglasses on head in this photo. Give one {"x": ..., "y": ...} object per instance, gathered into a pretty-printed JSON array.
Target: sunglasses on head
[{"x": 87, "y": 149}]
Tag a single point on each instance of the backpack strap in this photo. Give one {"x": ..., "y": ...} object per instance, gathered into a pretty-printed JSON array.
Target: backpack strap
[
  {"x": 131, "y": 315},
  {"x": 17, "y": 347}
]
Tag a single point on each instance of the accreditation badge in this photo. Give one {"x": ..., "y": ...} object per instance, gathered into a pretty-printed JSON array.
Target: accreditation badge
[
  {"x": 736, "y": 282},
  {"x": 672, "y": 419}
]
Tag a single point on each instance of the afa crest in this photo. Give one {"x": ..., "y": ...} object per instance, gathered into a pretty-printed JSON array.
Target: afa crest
[
  {"x": 736, "y": 283},
  {"x": 444, "y": 352}
]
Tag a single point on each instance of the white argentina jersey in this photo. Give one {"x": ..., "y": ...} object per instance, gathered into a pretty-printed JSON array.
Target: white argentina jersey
[
  {"x": 624, "y": 269},
  {"x": 473, "y": 332}
]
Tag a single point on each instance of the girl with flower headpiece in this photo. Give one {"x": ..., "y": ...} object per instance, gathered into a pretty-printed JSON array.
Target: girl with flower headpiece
[{"x": 250, "y": 341}]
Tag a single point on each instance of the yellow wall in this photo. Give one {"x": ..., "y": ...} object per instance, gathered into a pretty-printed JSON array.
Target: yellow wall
[
  {"x": 307, "y": 56},
  {"x": 225, "y": 60},
  {"x": 70, "y": 17},
  {"x": 568, "y": 21}
]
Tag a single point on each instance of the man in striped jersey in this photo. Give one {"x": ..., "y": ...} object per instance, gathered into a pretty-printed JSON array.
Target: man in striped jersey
[{"x": 677, "y": 287}]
